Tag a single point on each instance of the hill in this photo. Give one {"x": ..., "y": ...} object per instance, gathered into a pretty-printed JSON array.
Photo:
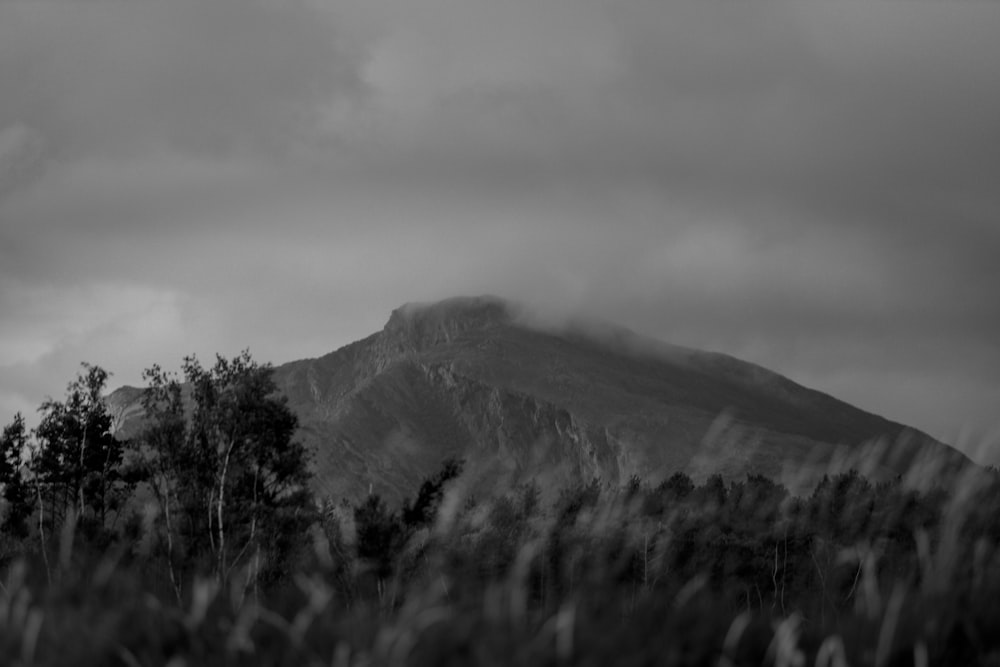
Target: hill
[{"x": 520, "y": 399}]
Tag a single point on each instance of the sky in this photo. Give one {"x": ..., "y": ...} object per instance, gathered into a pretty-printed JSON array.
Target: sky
[{"x": 811, "y": 185}]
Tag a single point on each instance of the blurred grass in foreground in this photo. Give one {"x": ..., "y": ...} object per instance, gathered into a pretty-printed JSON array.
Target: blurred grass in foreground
[{"x": 853, "y": 573}]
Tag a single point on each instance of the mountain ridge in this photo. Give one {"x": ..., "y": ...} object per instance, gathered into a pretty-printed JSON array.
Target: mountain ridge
[{"x": 522, "y": 398}]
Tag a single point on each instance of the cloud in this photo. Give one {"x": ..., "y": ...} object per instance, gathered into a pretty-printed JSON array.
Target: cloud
[
  {"x": 204, "y": 77},
  {"x": 21, "y": 152},
  {"x": 47, "y": 331},
  {"x": 807, "y": 184}
]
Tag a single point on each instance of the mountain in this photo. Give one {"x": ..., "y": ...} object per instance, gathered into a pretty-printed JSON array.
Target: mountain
[{"x": 519, "y": 400}]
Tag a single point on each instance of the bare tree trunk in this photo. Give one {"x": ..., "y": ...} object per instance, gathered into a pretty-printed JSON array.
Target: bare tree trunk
[
  {"x": 645, "y": 563},
  {"x": 774, "y": 577},
  {"x": 170, "y": 557},
  {"x": 784, "y": 568},
  {"x": 256, "y": 577},
  {"x": 41, "y": 532},
  {"x": 64, "y": 497},
  {"x": 80, "y": 472},
  {"x": 220, "y": 507},
  {"x": 822, "y": 580},
  {"x": 104, "y": 487},
  {"x": 252, "y": 572},
  {"x": 170, "y": 545},
  {"x": 211, "y": 530}
]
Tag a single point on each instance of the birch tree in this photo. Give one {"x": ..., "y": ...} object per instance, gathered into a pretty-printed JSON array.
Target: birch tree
[
  {"x": 16, "y": 492},
  {"x": 78, "y": 465},
  {"x": 226, "y": 472}
]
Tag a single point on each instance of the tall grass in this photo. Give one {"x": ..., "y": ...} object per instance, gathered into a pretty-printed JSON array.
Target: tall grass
[{"x": 852, "y": 573}]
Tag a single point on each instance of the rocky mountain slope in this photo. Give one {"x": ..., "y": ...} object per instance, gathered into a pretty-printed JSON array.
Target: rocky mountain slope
[{"x": 477, "y": 379}]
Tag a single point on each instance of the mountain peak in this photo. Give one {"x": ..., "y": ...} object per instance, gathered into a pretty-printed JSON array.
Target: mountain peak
[
  {"x": 425, "y": 324},
  {"x": 524, "y": 396},
  {"x": 484, "y": 308}
]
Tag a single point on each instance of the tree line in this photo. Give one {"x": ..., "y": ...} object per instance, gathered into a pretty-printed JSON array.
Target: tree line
[
  {"x": 211, "y": 481},
  {"x": 846, "y": 560}
]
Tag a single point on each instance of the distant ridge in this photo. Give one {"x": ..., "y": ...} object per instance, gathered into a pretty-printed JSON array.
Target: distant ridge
[{"x": 522, "y": 399}]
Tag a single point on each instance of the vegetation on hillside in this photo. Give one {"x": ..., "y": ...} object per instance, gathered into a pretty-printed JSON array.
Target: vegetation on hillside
[{"x": 197, "y": 543}]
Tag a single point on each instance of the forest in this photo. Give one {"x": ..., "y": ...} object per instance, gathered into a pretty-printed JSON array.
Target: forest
[{"x": 195, "y": 540}]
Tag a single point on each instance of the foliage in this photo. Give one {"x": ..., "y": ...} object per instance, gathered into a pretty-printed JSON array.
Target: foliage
[
  {"x": 16, "y": 492},
  {"x": 428, "y": 500},
  {"x": 76, "y": 466},
  {"x": 379, "y": 535},
  {"x": 228, "y": 477}
]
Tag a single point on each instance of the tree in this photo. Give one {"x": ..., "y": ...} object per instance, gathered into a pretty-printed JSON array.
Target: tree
[
  {"x": 380, "y": 536},
  {"x": 16, "y": 492},
  {"x": 219, "y": 454},
  {"x": 712, "y": 493},
  {"x": 425, "y": 506},
  {"x": 668, "y": 493},
  {"x": 78, "y": 461},
  {"x": 677, "y": 487}
]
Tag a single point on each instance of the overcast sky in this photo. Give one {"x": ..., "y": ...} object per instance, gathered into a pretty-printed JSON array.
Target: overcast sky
[{"x": 812, "y": 185}]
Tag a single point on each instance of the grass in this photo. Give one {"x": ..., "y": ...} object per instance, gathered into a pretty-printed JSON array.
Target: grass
[{"x": 852, "y": 574}]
